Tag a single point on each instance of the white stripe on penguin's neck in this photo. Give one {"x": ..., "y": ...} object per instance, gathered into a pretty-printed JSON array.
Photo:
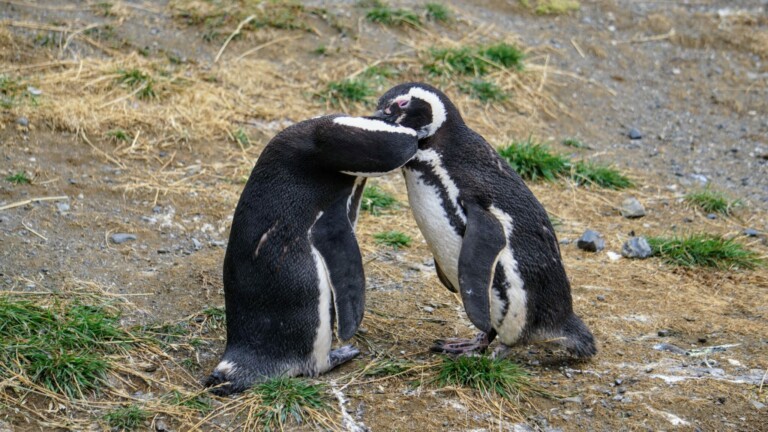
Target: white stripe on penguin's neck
[
  {"x": 373, "y": 125},
  {"x": 439, "y": 113}
]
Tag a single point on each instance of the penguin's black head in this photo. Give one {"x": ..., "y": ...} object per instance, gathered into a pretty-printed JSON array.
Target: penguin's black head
[{"x": 417, "y": 106}]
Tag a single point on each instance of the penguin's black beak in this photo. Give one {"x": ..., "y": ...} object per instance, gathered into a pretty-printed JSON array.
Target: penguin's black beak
[
  {"x": 379, "y": 114},
  {"x": 386, "y": 115}
]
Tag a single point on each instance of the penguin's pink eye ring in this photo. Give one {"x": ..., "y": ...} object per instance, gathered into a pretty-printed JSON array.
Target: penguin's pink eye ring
[{"x": 402, "y": 103}]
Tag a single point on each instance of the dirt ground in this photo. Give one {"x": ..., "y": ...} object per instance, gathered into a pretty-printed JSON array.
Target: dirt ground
[{"x": 691, "y": 76}]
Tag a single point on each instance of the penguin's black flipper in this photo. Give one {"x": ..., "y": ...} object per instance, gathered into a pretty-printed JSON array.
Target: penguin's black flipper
[
  {"x": 444, "y": 279},
  {"x": 334, "y": 238},
  {"x": 362, "y": 146},
  {"x": 483, "y": 241}
]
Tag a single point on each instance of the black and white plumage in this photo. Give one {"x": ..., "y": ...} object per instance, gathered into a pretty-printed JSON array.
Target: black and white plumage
[
  {"x": 491, "y": 238},
  {"x": 292, "y": 266}
]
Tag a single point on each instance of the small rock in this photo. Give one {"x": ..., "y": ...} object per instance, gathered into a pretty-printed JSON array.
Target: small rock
[
  {"x": 751, "y": 232},
  {"x": 591, "y": 241},
  {"x": 196, "y": 243},
  {"x": 702, "y": 340},
  {"x": 631, "y": 208},
  {"x": 22, "y": 121},
  {"x": 712, "y": 216},
  {"x": 218, "y": 243},
  {"x": 121, "y": 238},
  {"x": 161, "y": 426},
  {"x": 618, "y": 381},
  {"x": 34, "y": 91},
  {"x": 664, "y": 333},
  {"x": 613, "y": 256},
  {"x": 636, "y": 247},
  {"x": 574, "y": 399},
  {"x": 63, "y": 207},
  {"x": 565, "y": 241},
  {"x": 634, "y": 134},
  {"x": 757, "y": 404},
  {"x": 428, "y": 309},
  {"x": 601, "y": 298}
]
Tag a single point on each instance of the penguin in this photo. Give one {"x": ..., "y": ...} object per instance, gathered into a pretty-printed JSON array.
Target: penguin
[
  {"x": 491, "y": 239},
  {"x": 292, "y": 268}
]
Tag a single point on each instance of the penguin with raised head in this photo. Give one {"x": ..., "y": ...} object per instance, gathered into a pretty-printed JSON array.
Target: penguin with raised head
[
  {"x": 292, "y": 266},
  {"x": 491, "y": 238}
]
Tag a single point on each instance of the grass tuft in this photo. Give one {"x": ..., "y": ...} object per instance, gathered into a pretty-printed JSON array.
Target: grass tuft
[
  {"x": 350, "y": 90},
  {"x": 288, "y": 399},
  {"x": 395, "y": 239},
  {"x": 136, "y": 79},
  {"x": 505, "y": 55},
  {"x": 197, "y": 402},
  {"x": 19, "y": 178},
  {"x": 485, "y": 91},
  {"x": 556, "y": 7},
  {"x": 119, "y": 135},
  {"x": 711, "y": 201},
  {"x": 487, "y": 375},
  {"x": 375, "y": 200},
  {"x": 704, "y": 250},
  {"x": 241, "y": 137},
  {"x": 126, "y": 418},
  {"x": 574, "y": 142},
  {"x": 599, "y": 175},
  {"x": 386, "y": 15},
  {"x": 61, "y": 348},
  {"x": 10, "y": 89},
  {"x": 388, "y": 367},
  {"x": 533, "y": 160},
  {"x": 438, "y": 12}
]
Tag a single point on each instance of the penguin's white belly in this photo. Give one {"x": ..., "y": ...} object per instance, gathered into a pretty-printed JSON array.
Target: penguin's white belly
[{"x": 434, "y": 223}]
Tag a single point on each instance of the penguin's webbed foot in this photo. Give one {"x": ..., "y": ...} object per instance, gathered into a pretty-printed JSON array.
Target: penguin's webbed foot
[
  {"x": 342, "y": 355},
  {"x": 462, "y": 346}
]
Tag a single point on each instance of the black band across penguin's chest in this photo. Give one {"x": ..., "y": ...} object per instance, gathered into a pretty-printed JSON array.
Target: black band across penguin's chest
[{"x": 428, "y": 175}]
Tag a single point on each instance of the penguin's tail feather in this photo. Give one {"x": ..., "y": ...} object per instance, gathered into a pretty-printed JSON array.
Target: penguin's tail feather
[{"x": 578, "y": 339}]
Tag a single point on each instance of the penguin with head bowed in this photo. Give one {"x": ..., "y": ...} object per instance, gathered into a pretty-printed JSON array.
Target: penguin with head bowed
[
  {"x": 491, "y": 238},
  {"x": 293, "y": 268}
]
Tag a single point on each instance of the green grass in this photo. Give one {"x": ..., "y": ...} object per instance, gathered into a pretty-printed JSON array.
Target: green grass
[
  {"x": 600, "y": 175},
  {"x": 555, "y": 7},
  {"x": 350, "y": 90},
  {"x": 214, "y": 15},
  {"x": 574, "y": 142},
  {"x": 476, "y": 61},
  {"x": 127, "y": 418},
  {"x": 242, "y": 138},
  {"x": 119, "y": 135},
  {"x": 485, "y": 91},
  {"x": 11, "y": 89},
  {"x": 284, "y": 400},
  {"x": 214, "y": 317},
  {"x": 136, "y": 79},
  {"x": 197, "y": 402},
  {"x": 438, "y": 12},
  {"x": 375, "y": 200},
  {"x": 19, "y": 178},
  {"x": 489, "y": 376},
  {"x": 534, "y": 161},
  {"x": 395, "y": 239},
  {"x": 383, "y": 14},
  {"x": 505, "y": 55},
  {"x": 704, "y": 250},
  {"x": 711, "y": 201},
  {"x": 62, "y": 347},
  {"x": 388, "y": 367}
]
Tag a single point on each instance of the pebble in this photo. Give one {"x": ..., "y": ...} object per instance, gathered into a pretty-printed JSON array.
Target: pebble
[
  {"x": 34, "y": 91},
  {"x": 63, "y": 207},
  {"x": 712, "y": 216},
  {"x": 591, "y": 241},
  {"x": 196, "y": 243},
  {"x": 160, "y": 426},
  {"x": 574, "y": 399},
  {"x": 751, "y": 232},
  {"x": 634, "y": 134},
  {"x": 631, "y": 208},
  {"x": 664, "y": 333},
  {"x": 601, "y": 298},
  {"x": 22, "y": 121},
  {"x": 119, "y": 238},
  {"x": 428, "y": 309},
  {"x": 636, "y": 247},
  {"x": 757, "y": 404}
]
